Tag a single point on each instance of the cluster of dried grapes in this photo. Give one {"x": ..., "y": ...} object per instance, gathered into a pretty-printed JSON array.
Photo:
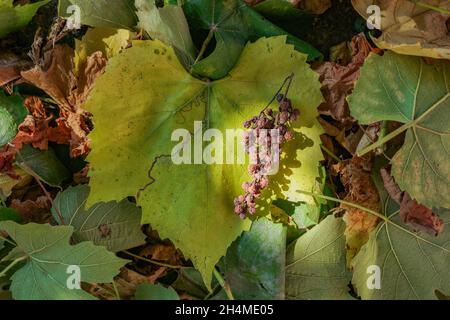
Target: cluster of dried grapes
[{"x": 268, "y": 120}]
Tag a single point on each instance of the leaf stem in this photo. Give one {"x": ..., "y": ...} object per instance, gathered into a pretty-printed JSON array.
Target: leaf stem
[
  {"x": 429, "y": 6},
  {"x": 385, "y": 139},
  {"x": 223, "y": 284},
  {"x": 331, "y": 154},
  {"x": 350, "y": 204},
  {"x": 11, "y": 265},
  {"x": 7, "y": 240},
  {"x": 204, "y": 46},
  {"x": 116, "y": 291},
  {"x": 357, "y": 206},
  {"x": 161, "y": 264}
]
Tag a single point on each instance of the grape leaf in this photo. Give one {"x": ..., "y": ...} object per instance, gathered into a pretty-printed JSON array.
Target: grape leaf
[
  {"x": 48, "y": 255},
  {"x": 316, "y": 263},
  {"x": 169, "y": 25},
  {"x": 12, "y": 113},
  {"x": 119, "y": 14},
  {"x": 254, "y": 264},
  {"x": 232, "y": 23},
  {"x": 413, "y": 265},
  {"x": 193, "y": 204},
  {"x": 115, "y": 225},
  {"x": 406, "y": 89},
  {"x": 223, "y": 19},
  {"x": 14, "y": 18},
  {"x": 411, "y": 27},
  {"x": 148, "y": 291},
  {"x": 43, "y": 163}
]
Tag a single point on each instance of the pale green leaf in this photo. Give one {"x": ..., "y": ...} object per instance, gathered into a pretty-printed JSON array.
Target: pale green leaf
[
  {"x": 119, "y": 14},
  {"x": 114, "y": 225},
  {"x": 48, "y": 255},
  {"x": 254, "y": 264},
  {"x": 410, "y": 91},
  {"x": 169, "y": 25},
  {"x": 316, "y": 264},
  {"x": 413, "y": 265},
  {"x": 147, "y": 291}
]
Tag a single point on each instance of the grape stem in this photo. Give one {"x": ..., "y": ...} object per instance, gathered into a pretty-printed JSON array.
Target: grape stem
[{"x": 287, "y": 81}]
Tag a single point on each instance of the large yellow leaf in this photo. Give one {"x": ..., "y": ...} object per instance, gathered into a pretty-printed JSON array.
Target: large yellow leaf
[{"x": 146, "y": 94}]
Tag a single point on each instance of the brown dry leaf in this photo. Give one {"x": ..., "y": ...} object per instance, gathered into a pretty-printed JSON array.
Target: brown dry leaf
[
  {"x": 126, "y": 283},
  {"x": 412, "y": 213},
  {"x": 36, "y": 129},
  {"x": 55, "y": 76},
  {"x": 338, "y": 81},
  {"x": 10, "y": 67},
  {"x": 412, "y": 29},
  {"x": 37, "y": 211},
  {"x": 355, "y": 175}
]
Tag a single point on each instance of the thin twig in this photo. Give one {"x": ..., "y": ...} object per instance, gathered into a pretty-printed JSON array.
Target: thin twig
[
  {"x": 223, "y": 284},
  {"x": 11, "y": 265},
  {"x": 116, "y": 291},
  {"x": 161, "y": 264},
  {"x": 331, "y": 154},
  {"x": 287, "y": 81}
]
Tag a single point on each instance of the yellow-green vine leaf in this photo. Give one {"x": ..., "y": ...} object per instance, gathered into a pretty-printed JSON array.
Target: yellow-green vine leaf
[
  {"x": 406, "y": 89},
  {"x": 134, "y": 119}
]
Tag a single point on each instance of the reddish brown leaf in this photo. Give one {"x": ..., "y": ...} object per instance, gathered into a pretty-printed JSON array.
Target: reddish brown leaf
[
  {"x": 355, "y": 175},
  {"x": 338, "y": 81},
  {"x": 412, "y": 213}
]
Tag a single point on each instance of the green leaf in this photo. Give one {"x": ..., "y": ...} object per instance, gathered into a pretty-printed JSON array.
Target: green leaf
[
  {"x": 43, "y": 163},
  {"x": 193, "y": 204},
  {"x": 406, "y": 89},
  {"x": 14, "y": 18},
  {"x": 12, "y": 113},
  {"x": 413, "y": 265},
  {"x": 232, "y": 23},
  {"x": 8, "y": 127},
  {"x": 147, "y": 291},
  {"x": 254, "y": 264},
  {"x": 223, "y": 20},
  {"x": 316, "y": 267},
  {"x": 114, "y": 225},
  {"x": 281, "y": 10},
  {"x": 48, "y": 255},
  {"x": 190, "y": 281},
  {"x": 118, "y": 14},
  {"x": 169, "y": 25},
  {"x": 259, "y": 26},
  {"x": 8, "y": 214}
]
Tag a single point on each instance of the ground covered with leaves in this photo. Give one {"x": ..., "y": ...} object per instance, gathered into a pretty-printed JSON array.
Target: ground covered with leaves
[{"x": 92, "y": 205}]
